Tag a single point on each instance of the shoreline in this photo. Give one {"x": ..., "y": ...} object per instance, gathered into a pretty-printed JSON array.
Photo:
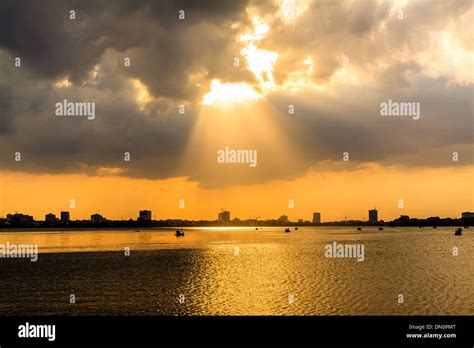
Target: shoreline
[{"x": 255, "y": 227}]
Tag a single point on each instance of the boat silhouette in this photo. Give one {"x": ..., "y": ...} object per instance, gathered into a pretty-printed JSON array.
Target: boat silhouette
[
  {"x": 458, "y": 231},
  {"x": 287, "y": 230},
  {"x": 179, "y": 233}
]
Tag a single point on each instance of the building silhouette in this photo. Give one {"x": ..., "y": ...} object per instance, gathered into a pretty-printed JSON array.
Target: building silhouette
[
  {"x": 19, "y": 218},
  {"x": 50, "y": 218},
  {"x": 373, "y": 216},
  {"x": 144, "y": 215},
  {"x": 317, "y": 218},
  {"x": 97, "y": 218},
  {"x": 467, "y": 217},
  {"x": 65, "y": 217},
  {"x": 224, "y": 216}
]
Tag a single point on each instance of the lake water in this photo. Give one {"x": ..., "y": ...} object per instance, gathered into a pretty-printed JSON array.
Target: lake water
[{"x": 240, "y": 271}]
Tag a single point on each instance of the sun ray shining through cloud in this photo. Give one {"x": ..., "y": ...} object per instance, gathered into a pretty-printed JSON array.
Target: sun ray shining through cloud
[
  {"x": 260, "y": 62},
  {"x": 225, "y": 93}
]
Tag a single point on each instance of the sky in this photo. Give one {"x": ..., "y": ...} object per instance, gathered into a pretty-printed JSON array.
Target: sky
[{"x": 300, "y": 83}]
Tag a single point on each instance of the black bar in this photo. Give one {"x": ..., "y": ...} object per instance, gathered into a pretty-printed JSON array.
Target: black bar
[{"x": 224, "y": 331}]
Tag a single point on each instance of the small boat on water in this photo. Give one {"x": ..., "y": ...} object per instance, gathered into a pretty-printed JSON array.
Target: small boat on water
[
  {"x": 458, "y": 231},
  {"x": 296, "y": 228},
  {"x": 287, "y": 230},
  {"x": 435, "y": 226},
  {"x": 256, "y": 228},
  {"x": 380, "y": 228},
  {"x": 359, "y": 229},
  {"x": 179, "y": 233}
]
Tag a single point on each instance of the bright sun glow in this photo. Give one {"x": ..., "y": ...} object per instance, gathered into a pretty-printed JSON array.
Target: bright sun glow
[
  {"x": 63, "y": 83},
  {"x": 260, "y": 62},
  {"x": 229, "y": 92},
  {"x": 259, "y": 32},
  {"x": 142, "y": 96},
  {"x": 292, "y": 9}
]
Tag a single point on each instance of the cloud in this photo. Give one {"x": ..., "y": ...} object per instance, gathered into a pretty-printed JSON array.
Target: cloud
[{"x": 424, "y": 57}]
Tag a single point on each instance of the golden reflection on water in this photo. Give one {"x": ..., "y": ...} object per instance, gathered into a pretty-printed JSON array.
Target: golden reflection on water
[
  {"x": 144, "y": 239},
  {"x": 242, "y": 271}
]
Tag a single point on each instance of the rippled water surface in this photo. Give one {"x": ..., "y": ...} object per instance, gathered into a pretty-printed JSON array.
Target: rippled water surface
[{"x": 240, "y": 271}]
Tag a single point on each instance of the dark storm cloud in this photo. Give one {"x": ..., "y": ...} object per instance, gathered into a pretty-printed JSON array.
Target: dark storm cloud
[
  {"x": 164, "y": 52},
  {"x": 351, "y": 122},
  {"x": 34, "y": 31},
  {"x": 68, "y": 145},
  {"x": 6, "y": 111},
  {"x": 167, "y": 49},
  {"x": 176, "y": 60}
]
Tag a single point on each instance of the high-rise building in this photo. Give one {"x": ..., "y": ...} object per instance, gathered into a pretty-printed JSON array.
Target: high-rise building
[
  {"x": 316, "y": 218},
  {"x": 283, "y": 218},
  {"x": 145, "y": 215},
  {"x": 224, "y": 216},
  {"x": 373, "y": 216},
  {"x": 50, "y": 218},
  {"x": 65, "y": 217},
  {"x": 18, "y": 218},
  {"x": 467, "y": 218},
  {"x": 97, "y": 218}
]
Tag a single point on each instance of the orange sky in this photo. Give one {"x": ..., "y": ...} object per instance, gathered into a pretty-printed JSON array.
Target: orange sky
[{"x": 426, "y": 192}]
